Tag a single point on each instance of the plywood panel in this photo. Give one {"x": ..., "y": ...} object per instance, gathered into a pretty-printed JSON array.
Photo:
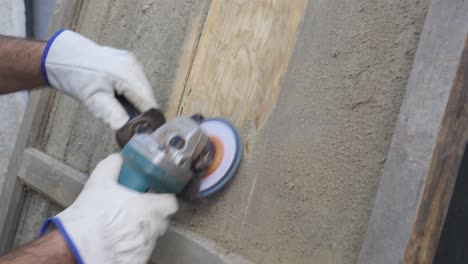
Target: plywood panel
[
  {"x": 36, "y": 209},
  {"x": 243, "y": 53}
]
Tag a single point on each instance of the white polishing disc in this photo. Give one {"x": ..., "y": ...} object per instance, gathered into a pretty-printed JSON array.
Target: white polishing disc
[{"x": 223, "y": 132}]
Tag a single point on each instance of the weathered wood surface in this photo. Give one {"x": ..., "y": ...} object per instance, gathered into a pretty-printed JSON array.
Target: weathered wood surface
[
  {"x": 34, "y": 210},
  {"x": 427, "y": 145},
  {"x": 12, "y": 193},
  {"x": 51, "y": 177}
]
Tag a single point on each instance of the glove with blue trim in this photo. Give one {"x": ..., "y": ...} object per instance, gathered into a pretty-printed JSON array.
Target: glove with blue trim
[
  {"x": 109, "y": 223},
  {"x": 92, "y": 73}
]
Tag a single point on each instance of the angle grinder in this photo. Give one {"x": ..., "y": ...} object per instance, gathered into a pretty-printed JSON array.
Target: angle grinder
[{"x": 191, "y": 157}]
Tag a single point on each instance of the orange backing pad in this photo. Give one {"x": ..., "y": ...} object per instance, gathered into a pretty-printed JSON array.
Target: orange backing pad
[{"x": 218, "y": 156}]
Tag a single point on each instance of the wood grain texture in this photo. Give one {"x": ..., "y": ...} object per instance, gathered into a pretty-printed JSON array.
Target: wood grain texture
[
  {"x": 442, "y": 174},
  {"x": 60, "y": 133},
  {"x": 184, "y": 68},
  {"x": 51, "y": 177},
  {"x": 241, "y": 58},
  {"x": 12, "y": 194}
]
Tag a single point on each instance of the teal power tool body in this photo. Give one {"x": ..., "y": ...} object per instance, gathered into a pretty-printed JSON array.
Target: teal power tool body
[{"x": 192, "y": 157}]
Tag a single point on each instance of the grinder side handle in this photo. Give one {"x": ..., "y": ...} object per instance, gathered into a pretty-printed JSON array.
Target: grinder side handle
[{"x": 131, "y": 110}]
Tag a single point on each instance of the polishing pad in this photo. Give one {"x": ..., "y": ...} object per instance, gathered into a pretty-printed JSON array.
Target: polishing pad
[{"x": 228, "y": 153}]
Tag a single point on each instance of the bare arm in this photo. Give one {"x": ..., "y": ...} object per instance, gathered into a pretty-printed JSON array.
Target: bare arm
[
  {"x": 20, "y": 64},
  {"x": 50, "y": 249}
]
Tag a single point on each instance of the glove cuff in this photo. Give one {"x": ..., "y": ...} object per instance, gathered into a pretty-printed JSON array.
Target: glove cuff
[
  {"x": 58, "y": 224},
  {"x": 46, "y": 52}
]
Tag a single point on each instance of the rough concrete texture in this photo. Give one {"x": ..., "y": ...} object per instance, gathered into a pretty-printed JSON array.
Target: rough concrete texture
[
  {"x": 327, "y": 139},
  {"x": 12, "y": 106},
  {"x": 312, "y": 172}
]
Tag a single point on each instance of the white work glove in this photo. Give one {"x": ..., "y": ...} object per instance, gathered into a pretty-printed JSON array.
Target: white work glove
[
  {"x": 109, "y": 223},
  {"x": 91, "y": 73}
]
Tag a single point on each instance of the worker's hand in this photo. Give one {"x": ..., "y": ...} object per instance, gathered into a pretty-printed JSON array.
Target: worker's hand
[
  {"x": 109, "y": 223},
  {"x": 92, "y": 73}
]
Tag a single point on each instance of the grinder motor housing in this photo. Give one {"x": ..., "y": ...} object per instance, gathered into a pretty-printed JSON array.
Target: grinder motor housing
[{"x": 165, "y": 160}]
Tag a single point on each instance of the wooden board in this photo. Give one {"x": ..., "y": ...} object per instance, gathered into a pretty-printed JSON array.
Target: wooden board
[
  {"x": 46, "y": 175},
  {"x": 427, "y": 145},
  {"x": 240, "y": 61}
]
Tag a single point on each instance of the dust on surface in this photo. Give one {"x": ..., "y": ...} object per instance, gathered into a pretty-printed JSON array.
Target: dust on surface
[
  {"x": 311, "y": 174},
  {"x": 306, "y": 185}
]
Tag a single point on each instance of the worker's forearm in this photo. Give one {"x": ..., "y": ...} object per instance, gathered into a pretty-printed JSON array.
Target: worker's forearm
[
  {"x": 50, "y": 249},
  {"x": 20, "y": 64}
]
